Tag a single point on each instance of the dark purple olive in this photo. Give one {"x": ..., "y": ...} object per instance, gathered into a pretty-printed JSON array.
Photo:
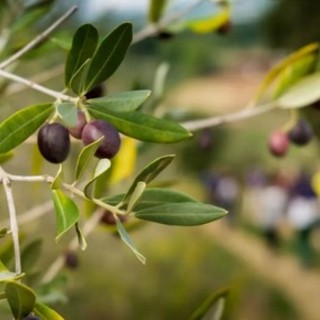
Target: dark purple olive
[
  {"x": 109, "y": 145},
  {"x": 278, "y": 143},
  {"x": 301, "y": 133},
  {"x": 109, "y": 219},
  {"x": 71, "y": 260},
  {"x": 76, "y": 131},
  {"x": 31, "y": 317},
  {"x": 96, "y": 92},
  {"x": 165, "y": 35},
  {"x": 54, "y": 142}
]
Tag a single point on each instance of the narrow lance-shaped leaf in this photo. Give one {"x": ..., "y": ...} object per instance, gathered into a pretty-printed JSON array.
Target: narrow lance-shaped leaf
[
  {"x": 128, "y": 241},
  {"x": 213, "y": 306},
  {"x": 83, "y": 47},
  {"x": 102, "y": 166},
  {"x": 275, "y": 71},
  {"x": 58, "y": 180},
  {"x": 6, "y": 275},
  {"x": 109, "y": 55},
  {"x": 142, "y": 126},
  {"x": 148, "y": 173},
  {"x": 136, "y": 195},
  {"x": 77, "y": 82},
  {"x": 81, "y": 239},
  {"x": 181, "y": 214},
  {"x": 152, "y": 197},
  {"x": 20, "y": 298},
  {"x": 156, "y": 9},
  {"x": 303, "y": 93},
  {"x": 22, "y": 124},
  {"x": 122, "y": 101},
  {"x": 46, "y": 313},
  {"x": 67, "y": 213},
  {"x": 84, "y": 158}
]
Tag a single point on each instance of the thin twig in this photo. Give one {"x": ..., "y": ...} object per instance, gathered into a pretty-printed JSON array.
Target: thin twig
[
  {"x": 13, "y": 219},
  {"x": 37, "y": 87},
  {"x": 38, "y": 39},
  {"x": 196, "y": 125}
]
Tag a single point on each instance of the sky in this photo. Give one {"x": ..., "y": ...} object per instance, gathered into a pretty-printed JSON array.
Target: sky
[{"x": 243, "y": 10}]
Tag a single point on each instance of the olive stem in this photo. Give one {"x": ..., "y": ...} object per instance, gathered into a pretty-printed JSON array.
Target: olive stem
[
  {"x": 37, "y": 87},
  {"x": 195, "y": 125},
  {"x": 5, "y": 180},
  {"x": 38, "y": 39}
]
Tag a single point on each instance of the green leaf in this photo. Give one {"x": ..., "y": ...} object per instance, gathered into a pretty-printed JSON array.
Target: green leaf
[
  {"x": 142, "y": 126},
  {"x": 22, "y": 124},
  {"x": 84, "y": 158},
  {"x": 84, "y": 44},
  {"x": 6, "y": 275},
  {"x": 303, "y": 93},
  {"x": 30, "y": 254},
  {"x": 156, "y": 9},
  {"x": 46, "y": 313},
  {"x": 67, "y": 213},
  {"x": 68, "y": 113},
  {"x": 213, "y": 306},
  {"x": 148, "y": 173},
  {"x": 181, "y": 214},
  {"x": 293, "y": 73},
  {"x": 278, "y": 68},
  {"x": 20, "y": 298},
  {"x": 121, "y": 102},
  {"x": 77, "y": 82},
  {"x": 102, "y": 166},
  {"x": 109, "y": 55},
  {"x": 81, "y": 239},
  {"x": 58, "y": 180},
  {"x": 128, "y": 241},
  {"x": 136, "y": 195}
]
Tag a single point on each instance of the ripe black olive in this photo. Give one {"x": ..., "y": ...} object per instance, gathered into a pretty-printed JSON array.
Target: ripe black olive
[
  {"x": 71, "y": 260},
  {"x": 96, "y": 92},
  {"x": 108, "y": 218},
  {"x": 76, "y": 131},
  {"x": 301, "y": 133},
  {"x": 109, "y": 145},
  {"x": 54, "y": 142}
]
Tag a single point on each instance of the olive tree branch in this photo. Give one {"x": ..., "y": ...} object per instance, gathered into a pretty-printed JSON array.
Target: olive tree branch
[
  {"x": 195, "y": 125},
  {"x": 5, "y": 180},
  {"x": 37, "y": 87},
  {"x": 38, "y": 39}
]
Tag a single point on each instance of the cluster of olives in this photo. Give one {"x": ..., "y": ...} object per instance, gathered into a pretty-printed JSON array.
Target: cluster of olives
[
  {"x": 54, "y": 138},
  {"x": 299, "y": 135}
]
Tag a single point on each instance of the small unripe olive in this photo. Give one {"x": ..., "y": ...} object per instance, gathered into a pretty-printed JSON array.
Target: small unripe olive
[
  {"x": 278, "y": 143},
  {"x": 301, "y": 133},
  {"x": 110, "y": 144},
  {"x": 76, "y": 131},
  {"x": 71, "y": 260},
  {"x": 54, "y": 142},
  {"x": 96, "y": 92},
  {"x": 109, "y": 219}
]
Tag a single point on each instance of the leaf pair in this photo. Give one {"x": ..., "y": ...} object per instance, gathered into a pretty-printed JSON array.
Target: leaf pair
[{"x": 88, "y": 64}]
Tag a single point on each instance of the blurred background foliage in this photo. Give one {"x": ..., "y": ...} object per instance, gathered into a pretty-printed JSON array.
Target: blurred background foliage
[{"x": 184, "y": 265}]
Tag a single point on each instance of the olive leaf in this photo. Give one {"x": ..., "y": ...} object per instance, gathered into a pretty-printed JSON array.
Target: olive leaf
[
  {"x": 142, "y": 126},
  {"x": 122, "y": 101},
  {"x": 21, "y": 299},
  {"x": 67, "y": 213},
  {"x": 109, "y": 55},
  {"x": 22, "y": 124},
  {"x": 46, "y": 313},
  {"x": 83, "y": 47}
]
